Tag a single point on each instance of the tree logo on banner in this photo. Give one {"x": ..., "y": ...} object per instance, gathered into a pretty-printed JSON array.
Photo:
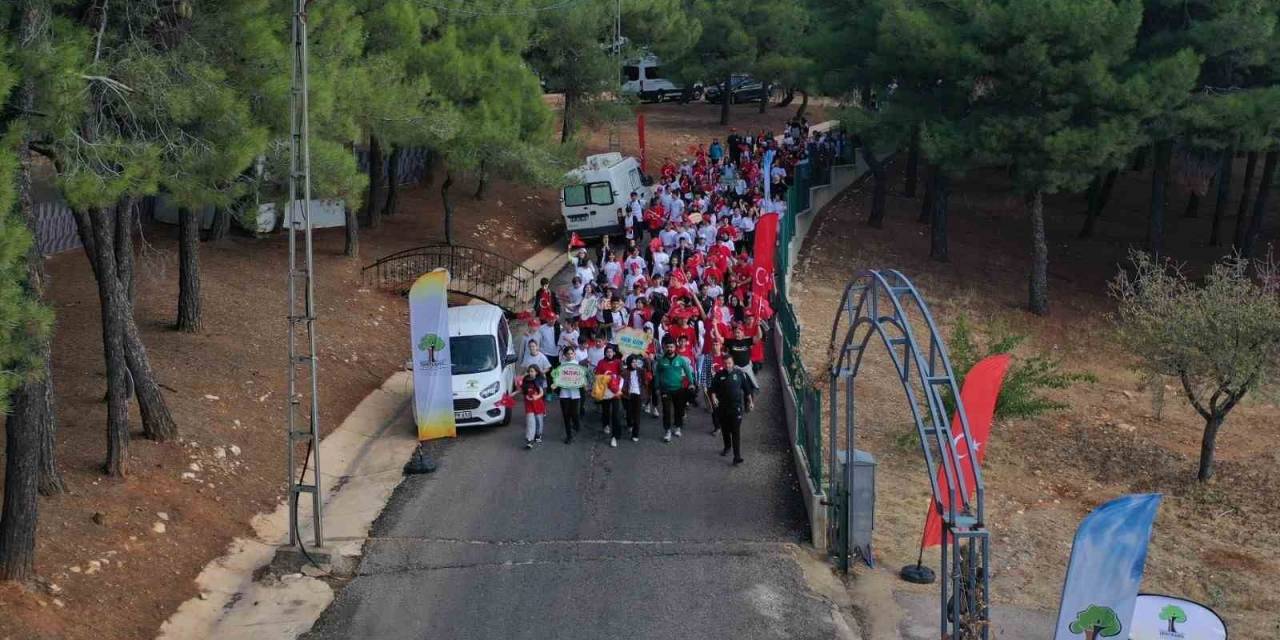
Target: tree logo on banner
[
  {"x": 1173, "y": 614},
  {"x": 430, "y": 343},
  {"x": 1096, "y": 622}
]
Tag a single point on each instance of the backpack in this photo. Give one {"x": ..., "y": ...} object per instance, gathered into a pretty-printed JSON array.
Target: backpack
[{"x": 600, "y": 386}]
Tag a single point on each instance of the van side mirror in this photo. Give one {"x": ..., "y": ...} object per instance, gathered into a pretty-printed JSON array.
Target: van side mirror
[
  {"x": 510, "y": 358},
  {"x": 646, "y": 180}
]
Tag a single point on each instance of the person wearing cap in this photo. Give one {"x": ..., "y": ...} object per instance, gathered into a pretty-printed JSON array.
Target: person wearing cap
[{"x": 730, "y": 393}]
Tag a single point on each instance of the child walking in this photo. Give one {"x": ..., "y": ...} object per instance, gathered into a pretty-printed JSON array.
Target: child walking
[{"x": 535, "y": 406}]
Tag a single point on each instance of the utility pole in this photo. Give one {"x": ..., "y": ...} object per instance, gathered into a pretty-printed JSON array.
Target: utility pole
[
  {"x": 303, "y": 420},
  {"x": 615, "y": 144}
]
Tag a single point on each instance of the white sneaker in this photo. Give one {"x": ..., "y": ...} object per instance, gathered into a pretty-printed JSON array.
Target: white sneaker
[
  {"x": 613, "y": 442},
  {"x": 635, "y": 439},
  {"x": 667, "y": 438},
  {"x": 606, "y": 430},
  {"x": 678, "y": 434}
]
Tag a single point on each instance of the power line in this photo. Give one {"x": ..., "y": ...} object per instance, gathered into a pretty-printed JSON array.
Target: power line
[{"x": 555, "y": 6}]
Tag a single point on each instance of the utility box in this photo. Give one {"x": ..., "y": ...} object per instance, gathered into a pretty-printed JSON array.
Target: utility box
[{"x": 859, "y": 486}]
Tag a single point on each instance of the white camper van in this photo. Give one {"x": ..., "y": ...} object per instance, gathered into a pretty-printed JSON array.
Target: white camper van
[
  {"x": 484, "y": 364},
  {"x": 643, "y": 78},
  {"x": 597, "y": 190}
]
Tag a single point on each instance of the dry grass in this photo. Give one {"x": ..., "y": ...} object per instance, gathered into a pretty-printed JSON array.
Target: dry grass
[{"x": 1213, "y": 542}]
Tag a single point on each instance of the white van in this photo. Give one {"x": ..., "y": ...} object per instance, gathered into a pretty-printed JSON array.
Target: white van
[
  {"x": 597, "y": 190},
  {"x": 484, "y": 364},
  {"x": 643, "y": 78}
]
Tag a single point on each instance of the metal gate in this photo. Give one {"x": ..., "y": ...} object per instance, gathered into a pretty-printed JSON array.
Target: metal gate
[{"x": 886, "y": 304}]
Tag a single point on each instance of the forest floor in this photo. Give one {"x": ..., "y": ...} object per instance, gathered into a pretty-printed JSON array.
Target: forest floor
[
  {"x": 1213, "y": 542},
  {"x": 106, "y": 569}
]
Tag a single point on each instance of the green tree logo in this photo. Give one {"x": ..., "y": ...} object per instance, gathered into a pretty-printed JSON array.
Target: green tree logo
[
  {"x": 1174, "y": 615},
  {"x": 431, "y": 343},
  {"x": 1096, "y": 622}
]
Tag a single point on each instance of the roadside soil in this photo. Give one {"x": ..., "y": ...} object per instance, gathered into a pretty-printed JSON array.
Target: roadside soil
[
  {"x": 226, "y": 386},
  {"x": 1213, "y": 542}
]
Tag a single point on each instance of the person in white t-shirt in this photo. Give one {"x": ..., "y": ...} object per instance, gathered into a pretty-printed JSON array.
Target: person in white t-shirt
[
  {"x": 661, "y": 262},
  {"x": 669, "y": 237}
]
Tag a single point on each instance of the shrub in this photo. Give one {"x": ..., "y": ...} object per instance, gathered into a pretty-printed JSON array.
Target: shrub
[{"x": 1023, "y": 393}]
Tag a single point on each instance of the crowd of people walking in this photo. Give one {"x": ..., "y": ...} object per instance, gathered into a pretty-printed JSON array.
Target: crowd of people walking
[{"x": 669, "y": 315}]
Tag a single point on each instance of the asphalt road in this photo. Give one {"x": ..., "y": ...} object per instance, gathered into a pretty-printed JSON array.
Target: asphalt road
[{"x": 581, "y": 541}]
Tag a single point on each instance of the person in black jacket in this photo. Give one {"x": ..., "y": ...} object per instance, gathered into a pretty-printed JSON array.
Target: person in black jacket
[{"x": 730, "y": 392}]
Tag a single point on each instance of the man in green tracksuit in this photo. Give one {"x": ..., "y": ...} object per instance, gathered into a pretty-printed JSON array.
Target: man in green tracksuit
[{"x": 670, "y": 374}]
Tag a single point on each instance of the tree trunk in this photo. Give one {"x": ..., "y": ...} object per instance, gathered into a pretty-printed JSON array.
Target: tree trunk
[
  {"x": 352, "y": 247},
  {"x": 1098, "y": 199},
  {"x": 157, "y": 421},
  {"x": 393, "y": 181},
  {"x": 126, "y": 213},
  {"x": 1140, "y": 158},
  {"x": 764, "y": 99},
  {"x": 1159, "y": 190},
  {"x": 787, "y": 98},
  {"x": 941, "y": 190},
  {"x": 926, "y": 203},
  {"x": 373, "y": 201},
  {"x": 429, "y": 169},
  {"x": 913, "y": 164},
  {"x": 1250, "y": 166},
  {"x": 189, "y": 319},
  {"x": 566, "y": 122},
  {"x": 482, "y": 184},
  {"x": 726, "y": 97},
  {"x": 876, "y": 219},
  {"x": 1260, "y": 205},
  {"x": 1038, "y": 298},
  {"x": 19, "y": 516},
  {"x": 1225, "y": 168},
  {"x": 448, "y": 207},
  {"x": 804, "y": 104},
  {"x": 114, "y": 301},
  {"x": 1207, "y": 443},
  {"x": 221, "y": 225},
  {"x": 1193, "y": 206}
]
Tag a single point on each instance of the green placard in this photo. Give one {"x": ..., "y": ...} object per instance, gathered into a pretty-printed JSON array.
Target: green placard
[{"x": 569, "y": 376}]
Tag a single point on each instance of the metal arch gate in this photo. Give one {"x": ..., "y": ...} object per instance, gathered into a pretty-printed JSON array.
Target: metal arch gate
[
  {"x": 473, "y": 272},
  {"x": 886, "y": 304}
]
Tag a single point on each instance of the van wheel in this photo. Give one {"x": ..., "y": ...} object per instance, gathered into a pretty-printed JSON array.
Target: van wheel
[{"x": 506, "y": 417}]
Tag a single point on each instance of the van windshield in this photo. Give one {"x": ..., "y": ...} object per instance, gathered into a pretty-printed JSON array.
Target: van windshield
[{"x": 472, "y": 354}]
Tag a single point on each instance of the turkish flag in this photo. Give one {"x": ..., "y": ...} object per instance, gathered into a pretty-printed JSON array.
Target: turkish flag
[
  {"x": 762, "y": 274},
  {"x": 978, "y": 394}
]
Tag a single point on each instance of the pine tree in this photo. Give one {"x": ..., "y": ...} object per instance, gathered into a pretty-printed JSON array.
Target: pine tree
[
  {"x": 23, "y": 346},
  {"x": 1056, "y": 100},
  {"x": 724, "y": 47}
]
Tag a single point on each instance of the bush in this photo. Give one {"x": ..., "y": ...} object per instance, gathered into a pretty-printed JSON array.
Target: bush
[{"x": 1022, "y": 395}]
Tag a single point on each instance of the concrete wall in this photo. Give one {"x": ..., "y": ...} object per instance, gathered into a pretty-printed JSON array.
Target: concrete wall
[{"x": 842, "y": 177}]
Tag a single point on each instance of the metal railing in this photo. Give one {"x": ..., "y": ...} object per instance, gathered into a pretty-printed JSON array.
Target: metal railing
[{"x": 472, "y": 271}]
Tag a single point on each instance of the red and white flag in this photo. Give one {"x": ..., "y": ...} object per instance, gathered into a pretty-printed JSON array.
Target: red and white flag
[{"x": 978, "y": 394}]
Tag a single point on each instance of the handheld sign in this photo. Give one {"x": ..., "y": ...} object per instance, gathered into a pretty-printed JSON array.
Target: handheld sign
[
  {"x": 590, "y": 305},
  {"x": 632, "y": 341},
  {"x": 569, "y": 376}
]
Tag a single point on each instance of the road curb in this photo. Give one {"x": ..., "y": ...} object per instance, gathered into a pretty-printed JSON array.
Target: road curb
[{"x": 363, "y": 457}]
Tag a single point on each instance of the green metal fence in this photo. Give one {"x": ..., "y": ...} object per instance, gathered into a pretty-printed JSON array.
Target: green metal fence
[{"x": 808, "y": 397}]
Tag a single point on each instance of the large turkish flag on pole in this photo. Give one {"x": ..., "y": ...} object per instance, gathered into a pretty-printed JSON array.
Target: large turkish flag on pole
[
  {"x": 978, "y": 394},
  {"x": 762, "y": 274}
]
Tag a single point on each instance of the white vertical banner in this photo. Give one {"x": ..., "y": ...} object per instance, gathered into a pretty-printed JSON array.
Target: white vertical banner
[{"x": 432, "y": 362}]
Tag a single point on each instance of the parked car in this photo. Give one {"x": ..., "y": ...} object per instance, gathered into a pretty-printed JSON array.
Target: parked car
[
  {"x": 643, "y": 78},
  {"x": 484, "y": 360},
  {"x": 744, "y": 88}
]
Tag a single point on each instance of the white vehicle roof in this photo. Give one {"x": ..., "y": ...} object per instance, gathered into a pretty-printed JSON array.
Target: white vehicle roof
[
  {"x": 474, "y": 320},
  {"x": 599, "y": 167}
]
